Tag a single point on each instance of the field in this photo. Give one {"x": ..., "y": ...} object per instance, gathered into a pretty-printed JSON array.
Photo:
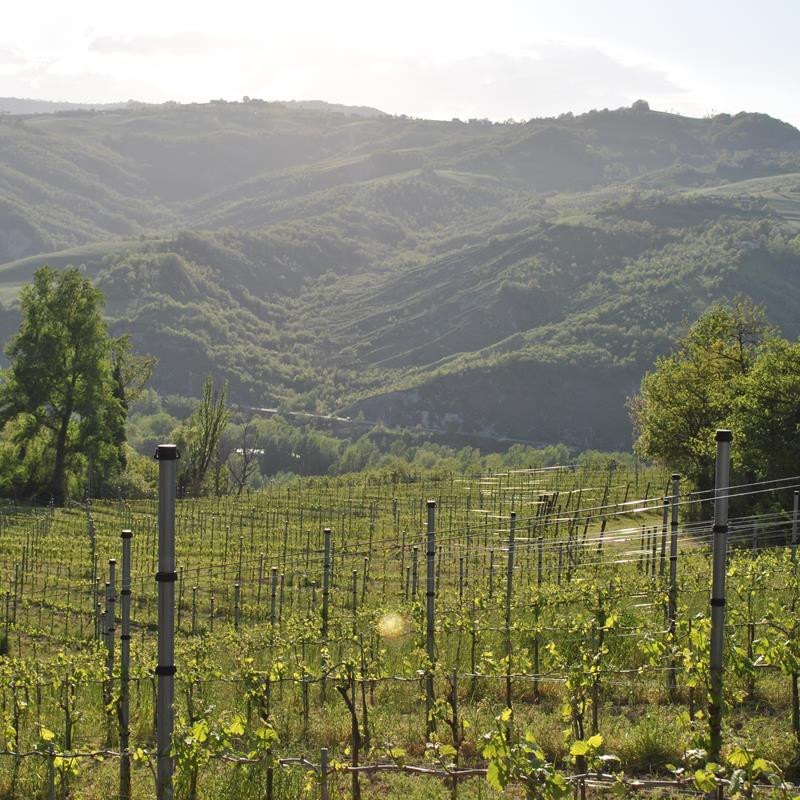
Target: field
[
  {"x": 781, "y": 192},
  {"x": 552, "y": 597}
]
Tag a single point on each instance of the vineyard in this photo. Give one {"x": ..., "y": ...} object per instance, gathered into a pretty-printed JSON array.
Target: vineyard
[{"x": 533, "y": 633}]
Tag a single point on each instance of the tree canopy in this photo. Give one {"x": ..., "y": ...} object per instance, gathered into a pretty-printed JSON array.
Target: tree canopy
[
  {"x": 63, "y": 399},
  {"x": 199, "y": 437},
  {"x": 731, "y": 370},
  {"x": 766, "y": 415}
]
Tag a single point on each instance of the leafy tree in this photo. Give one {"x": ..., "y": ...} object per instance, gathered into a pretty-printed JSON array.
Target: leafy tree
[
  {"x": 62, "y": 395},
  {"x": 766, "y": 415},
  {"x": 694, "y": 390},
  {"x": 359, "y": 455},
  {"x": 129, "y": 373},
  {"x": 198, "y": 438}
]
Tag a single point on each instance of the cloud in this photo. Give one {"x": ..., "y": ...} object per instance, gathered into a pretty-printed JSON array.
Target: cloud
[
  {"x": 545, "y": 78},
  {"x": 50, "y": 82},
  {"x": 11, "y": 58},
  {"x": 552, "y": 79},
  {"x": 178, "y": 44}
]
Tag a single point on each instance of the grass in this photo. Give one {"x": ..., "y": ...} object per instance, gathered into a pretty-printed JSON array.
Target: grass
[{"x": 648, "y": 744}]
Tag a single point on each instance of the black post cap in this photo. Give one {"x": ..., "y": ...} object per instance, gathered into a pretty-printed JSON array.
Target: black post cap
[
  {"x": 431, "y": 504},
  {"x": 676, "y": 476},
  {"x": 724, "y": 436},
  {"x": 167, "y": 452}
]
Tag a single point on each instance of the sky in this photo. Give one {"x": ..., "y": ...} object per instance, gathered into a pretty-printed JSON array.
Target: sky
[{"x": 425, "y": 58}]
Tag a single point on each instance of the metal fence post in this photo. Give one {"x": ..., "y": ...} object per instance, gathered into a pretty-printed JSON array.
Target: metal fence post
[
  {"x": 110, "y": 619},
  {"x": 323, "y": 774},
  {"x": 326, "y": 582},
  {"x": 326, "y": 574},
  {"x": 720, "y": 552},
  {"x": 166, "y": 455},
  {"x": 672, "y": 610},
  {"x": 273, "y": 594},
  {"x": 509, "y": 594},
  {"x": 430, "y": 608},
  {"x": 662, "y": 566},
  {"x": 125, "y": 660}
]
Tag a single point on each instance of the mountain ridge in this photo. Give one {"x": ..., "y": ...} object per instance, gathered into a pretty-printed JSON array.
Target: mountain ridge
[{"x": 385, "y": 265}]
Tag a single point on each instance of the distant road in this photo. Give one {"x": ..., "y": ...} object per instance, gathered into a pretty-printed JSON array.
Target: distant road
[
  {"x": 367, "y": 423},
  {"x": 306, "y": 414}
]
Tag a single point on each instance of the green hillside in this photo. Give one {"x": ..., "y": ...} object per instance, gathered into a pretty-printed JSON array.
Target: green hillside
[{"x": 513, "y": 280}]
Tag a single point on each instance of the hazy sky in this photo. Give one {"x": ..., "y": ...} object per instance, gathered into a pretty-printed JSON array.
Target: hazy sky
[{"x": 431, "y": 58}]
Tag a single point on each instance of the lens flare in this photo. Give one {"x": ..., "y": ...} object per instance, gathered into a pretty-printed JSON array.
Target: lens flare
[{"x": 390, "y": 626}]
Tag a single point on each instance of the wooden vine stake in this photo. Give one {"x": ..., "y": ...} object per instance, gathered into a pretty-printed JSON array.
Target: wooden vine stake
[{"x": 355, "y": 734}]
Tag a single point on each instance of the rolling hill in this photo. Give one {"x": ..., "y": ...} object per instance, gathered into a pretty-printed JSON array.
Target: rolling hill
[{"x": 511, "y": 280}]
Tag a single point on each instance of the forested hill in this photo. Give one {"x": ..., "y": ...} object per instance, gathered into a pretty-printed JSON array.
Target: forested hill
[{"x": 509, "y": 279}]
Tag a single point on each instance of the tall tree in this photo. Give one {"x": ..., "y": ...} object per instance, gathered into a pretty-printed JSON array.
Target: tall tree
[
  {"x": 242, "y": 462},
  {"x": 694, "y": 390},
  {"x": 60, "y": 383},
  {"x": 199, "y": 437}
]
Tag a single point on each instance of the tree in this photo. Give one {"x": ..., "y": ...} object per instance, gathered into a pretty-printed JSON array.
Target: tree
[
  {"x": 694, "y": 391},
  {"x": 198, "y": 438},
  {"x": 766, "y": 415},
  {"x": 58, "y": 396},
  {"x": 129, "y": 374},
  {"x": 359, "y": 455},
  {"x": 243, "y": 461}
]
